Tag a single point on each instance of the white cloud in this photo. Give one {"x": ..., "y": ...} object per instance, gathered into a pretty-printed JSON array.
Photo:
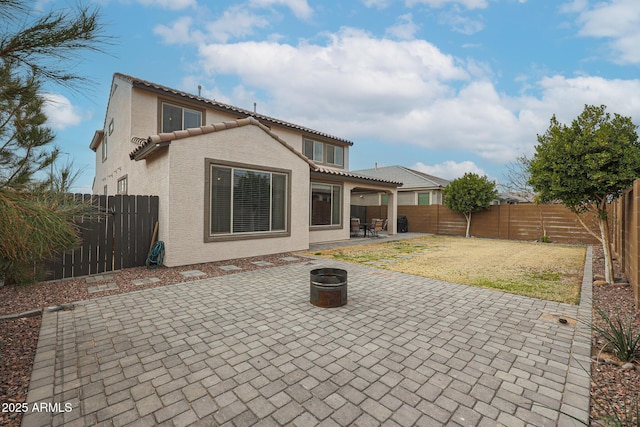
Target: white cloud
[
  {"x": 449, "y": 169},
  {"x": 469, "y": 4},
  {"x": 461, "y": 23},
  {"x": 60, "y": 113},
  {"x": 617, "y": 21},
  {"x": 170, "y": 4},
  {"x": 179, "y": 32},
  {"x": 300, "y": 8},
  {"x": 378, "y": 4},
  {"x": 361, "y": 87},
  {"x": 236, "y": 22},
  {"x": 405, "y": 29}
]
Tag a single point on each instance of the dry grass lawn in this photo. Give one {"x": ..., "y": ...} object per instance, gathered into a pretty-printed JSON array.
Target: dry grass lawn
[{"x": 546, "y": 271}]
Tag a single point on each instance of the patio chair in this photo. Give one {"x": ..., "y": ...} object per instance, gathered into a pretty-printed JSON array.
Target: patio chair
[
  {"x": 355, "y": 227},
  {"x": 375, "y": 227}
]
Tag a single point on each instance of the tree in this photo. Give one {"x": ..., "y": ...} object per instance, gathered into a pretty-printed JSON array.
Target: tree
[
  {"x": 587, "y": 165},
  {"x": 35, "y": 50},
  {"x": 32, "y": 52},
  {"x": 468, "y": 194},
  {"x": 517, "y": 179}
]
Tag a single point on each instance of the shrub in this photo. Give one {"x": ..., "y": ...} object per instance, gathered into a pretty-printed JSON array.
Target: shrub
[{"x": 620, "y": 337}]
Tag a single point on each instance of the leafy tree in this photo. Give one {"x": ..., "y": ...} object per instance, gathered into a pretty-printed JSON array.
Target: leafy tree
[
  {"x": 468, "y": 194},
  {"x": 35, "y": 50},
  {"x": 587, "y": 165}
]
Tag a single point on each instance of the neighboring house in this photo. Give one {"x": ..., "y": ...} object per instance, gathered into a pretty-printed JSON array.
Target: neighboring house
[
  {"x": 231, "y": 183},
  {"x": 513, "y": 198},
  {"x": 418, "y": 188}
]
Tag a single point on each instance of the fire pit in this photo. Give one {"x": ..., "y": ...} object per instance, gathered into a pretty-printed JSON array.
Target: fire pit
[{"x": 328, "y": 287}]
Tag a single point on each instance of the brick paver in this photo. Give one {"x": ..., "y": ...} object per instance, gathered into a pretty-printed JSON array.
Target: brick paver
[{"x": 248, "y": 348}]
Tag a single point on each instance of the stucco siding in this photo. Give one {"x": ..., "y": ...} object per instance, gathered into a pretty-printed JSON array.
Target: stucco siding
[
  {"x": 407, "y": 198},
  {"x": 118, "y": 141},
  {"x": 248, "y": 145},
  {"x": 367, "y": 199}
]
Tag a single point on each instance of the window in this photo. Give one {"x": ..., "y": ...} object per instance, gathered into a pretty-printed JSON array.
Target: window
[
  {"x": 384, "y": 199},
  {"x": 111, "y": 127},
  {"x": 104, "y": 148},
  {"x": 123, "y": 185},
  {"x": 105, "y": 190},
  {"x": 178, "y": 118},
  {"x": 325, "y": 204},
  {"x": 244, "y": 200},
  {"x": 424, "y": 199},
  {"x": 335, "y": 155},
  {"x": 315, "y": 151}
]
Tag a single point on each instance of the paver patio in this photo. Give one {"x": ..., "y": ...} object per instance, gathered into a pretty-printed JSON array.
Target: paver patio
[{"x": 248, "y": 348}]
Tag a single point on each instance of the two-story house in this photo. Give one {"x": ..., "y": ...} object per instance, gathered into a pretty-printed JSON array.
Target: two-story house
[{"x": 231, "y": 183}]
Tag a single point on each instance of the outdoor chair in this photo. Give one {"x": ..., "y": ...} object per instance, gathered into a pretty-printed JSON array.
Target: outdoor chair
[
  {"x": 375, "y": 227},
  {"x": 355, "y": 227}
]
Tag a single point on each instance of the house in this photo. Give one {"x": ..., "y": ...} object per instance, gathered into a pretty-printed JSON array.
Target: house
[
  {"x": 514, "y": 198},
  {"x": 231, "y": 183},
  {"x": 418, "y": 188}
]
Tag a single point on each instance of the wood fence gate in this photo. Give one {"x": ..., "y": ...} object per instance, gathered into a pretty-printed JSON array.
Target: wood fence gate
[{"x": 119, "y": 237}]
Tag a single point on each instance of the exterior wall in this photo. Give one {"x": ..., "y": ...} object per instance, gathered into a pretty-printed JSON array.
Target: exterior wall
[
  {"x": 144, "y": 114},
  {"x": 186, "y": 216},
  {"x": 407, "y": 198},
  {"x": 367, "y": 199},
  {"x": 118, "y": 142},
  {"x": 318, "y": 235},
  {"x": 145, "y": 120}
]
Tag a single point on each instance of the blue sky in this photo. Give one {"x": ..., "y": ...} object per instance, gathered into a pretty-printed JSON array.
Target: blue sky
[{"x": 442, "y": 86}]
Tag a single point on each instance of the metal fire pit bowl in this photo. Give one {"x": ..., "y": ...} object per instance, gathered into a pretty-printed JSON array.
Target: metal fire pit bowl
[{"x": 328, "y": 287}]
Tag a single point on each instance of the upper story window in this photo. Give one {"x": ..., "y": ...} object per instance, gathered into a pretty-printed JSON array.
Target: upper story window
[
  {"x": 175, "y": 117},
  {"x": 104, "y": 148},
  {"x": 324, "y": 153}
]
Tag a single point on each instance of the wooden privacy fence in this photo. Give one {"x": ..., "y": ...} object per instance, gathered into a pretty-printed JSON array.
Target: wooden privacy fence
[
  {"x": 625, "y": 234},
  {"x": 511, "y": 222},
  {"x": 118, "y": 238}
]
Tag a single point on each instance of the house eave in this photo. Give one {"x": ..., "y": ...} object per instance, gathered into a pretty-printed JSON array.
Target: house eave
[
  {"x": 148, "y": 149},
  {"x": 219, "y": 106},
  {"x": 346, "y": 176},
  {"x": 98, "y": 136}
]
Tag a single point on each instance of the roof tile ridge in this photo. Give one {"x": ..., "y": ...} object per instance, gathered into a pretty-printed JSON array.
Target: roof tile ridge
[{"x": 249, "y": 113}]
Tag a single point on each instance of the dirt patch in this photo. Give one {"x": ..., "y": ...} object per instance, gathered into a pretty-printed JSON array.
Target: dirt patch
[{"x": 547, "y": 271}]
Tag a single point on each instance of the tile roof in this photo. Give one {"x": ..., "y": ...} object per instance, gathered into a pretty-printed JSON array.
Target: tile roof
[
  {"x": 356, "y": 176},
  {"x": 409, "y": 177},
  {"x": 226, "y": 107},
  {"x": 157, "y": 142}
]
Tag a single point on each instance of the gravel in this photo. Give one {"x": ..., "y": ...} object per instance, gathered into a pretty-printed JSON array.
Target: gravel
[{"x": 612, "y": 389}]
